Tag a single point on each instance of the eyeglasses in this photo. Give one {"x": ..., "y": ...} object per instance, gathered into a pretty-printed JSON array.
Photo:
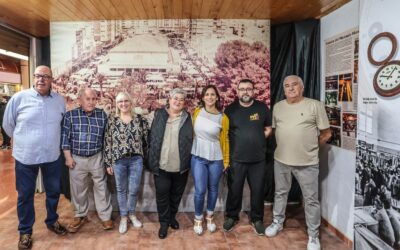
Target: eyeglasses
[
  {"x": 246, "y": 90},
  {"x": 121, "y": 101},
  {"x": 45, "y": 77}
]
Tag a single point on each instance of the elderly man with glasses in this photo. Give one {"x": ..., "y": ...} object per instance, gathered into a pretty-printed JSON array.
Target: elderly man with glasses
[{"x": 33, "y": 120}]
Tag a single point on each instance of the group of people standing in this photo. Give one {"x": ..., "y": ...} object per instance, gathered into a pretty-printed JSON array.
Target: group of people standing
[{"x": 209, "y": 143}]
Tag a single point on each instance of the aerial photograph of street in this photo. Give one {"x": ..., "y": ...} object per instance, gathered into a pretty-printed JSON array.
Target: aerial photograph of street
[{"x": 148, "y": 58}]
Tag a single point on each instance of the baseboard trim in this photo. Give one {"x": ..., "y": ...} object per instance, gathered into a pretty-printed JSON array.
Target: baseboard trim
[{"x": 339, "y": 234}]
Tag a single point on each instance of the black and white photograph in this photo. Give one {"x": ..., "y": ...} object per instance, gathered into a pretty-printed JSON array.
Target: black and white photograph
[{"x": 377, "y": 197}]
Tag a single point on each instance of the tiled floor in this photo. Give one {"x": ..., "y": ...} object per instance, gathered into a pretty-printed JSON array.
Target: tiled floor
[{"x": 91, "y": 236}]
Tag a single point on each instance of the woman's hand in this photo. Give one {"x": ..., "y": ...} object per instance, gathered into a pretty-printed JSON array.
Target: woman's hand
[{"x": 110, "y": 171}]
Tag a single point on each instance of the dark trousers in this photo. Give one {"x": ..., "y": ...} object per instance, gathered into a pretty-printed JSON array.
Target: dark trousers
[
  {"x": 255, "y": 174},
  {"x": 6, "y": 138},
  {"x": 26, "y": 176},
  {"x": 169, "y": 191}
]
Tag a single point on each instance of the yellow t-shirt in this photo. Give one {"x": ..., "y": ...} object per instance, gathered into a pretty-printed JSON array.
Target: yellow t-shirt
[{"x": 296, "y": 130}]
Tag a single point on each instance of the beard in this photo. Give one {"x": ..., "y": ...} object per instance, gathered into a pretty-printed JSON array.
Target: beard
[{"x": 246, "y": 99}]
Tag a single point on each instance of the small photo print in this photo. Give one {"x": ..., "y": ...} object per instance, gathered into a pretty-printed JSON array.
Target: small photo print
[
  {"x": 331, "y": 83},
  {"x": 335, "y": 139},
  {"x": 331, "y": 98},
  {"x": 346, "y": 87},
  {"x": 333, "y": 115},
  {"x": 349, "y": 124},
  {"x": 355, "y": 80}
]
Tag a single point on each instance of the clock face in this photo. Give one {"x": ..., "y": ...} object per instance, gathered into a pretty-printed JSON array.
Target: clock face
[{"x": 387, "y": 79}]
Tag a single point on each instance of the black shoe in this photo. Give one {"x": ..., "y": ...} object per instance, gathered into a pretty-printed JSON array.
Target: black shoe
[
  {"x": 174, "y": 224},
  {"x": 25, "y": 241},
  {"x": 258, "y": 227},
  {"x": 163, "y": 232},
  {"x": 57, "y": 228},
  {"x": 229, "y": 223}
]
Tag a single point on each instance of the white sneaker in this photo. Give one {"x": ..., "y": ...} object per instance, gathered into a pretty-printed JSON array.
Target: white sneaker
[
  {"x": 135, "y": 221},
  {"x": 198, "y": 226},
  {"x": 211, "y": 227},
  {"x": 313, "y": 243},
  {"x": 123, "y": 225},
  {"x": 273, "y": 229}
]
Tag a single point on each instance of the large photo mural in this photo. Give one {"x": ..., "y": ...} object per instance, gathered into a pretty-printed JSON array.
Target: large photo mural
[
  {"x": 148, "y": 58},
  {"x": 377, "y": 194}
]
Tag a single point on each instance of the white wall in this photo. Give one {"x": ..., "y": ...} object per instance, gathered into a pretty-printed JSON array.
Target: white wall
[{"x": 337, "y": 170}]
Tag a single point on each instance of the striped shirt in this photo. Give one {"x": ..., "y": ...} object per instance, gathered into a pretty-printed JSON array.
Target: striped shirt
[{"x": 83, "y": 134}]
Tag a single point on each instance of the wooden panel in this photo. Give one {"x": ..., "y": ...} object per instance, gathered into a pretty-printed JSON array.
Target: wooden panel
[
  {"x": 14, "y": 42},
  {"x": 187, "y": 9},
  {"x": 149, "y": 8},
  {"x": 34, "y": 17}
]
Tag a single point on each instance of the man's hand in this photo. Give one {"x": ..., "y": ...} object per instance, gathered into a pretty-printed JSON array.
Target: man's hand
[
  {"x": 267, "y": 131},
  {"x": 110, "y": 170},
  {"x": 70, "y": 162},
  {"x": 324, "y": 136}
]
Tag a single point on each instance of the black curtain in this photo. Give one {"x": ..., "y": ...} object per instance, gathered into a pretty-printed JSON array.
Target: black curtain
[
  {"x": 295, "y": 50},
  {"x": 45, "y": 51}
]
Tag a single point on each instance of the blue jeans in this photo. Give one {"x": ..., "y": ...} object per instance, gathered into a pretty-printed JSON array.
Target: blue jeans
[
  {"x": 128, "y": 173},
  {"x": 25, "y": 178},
  {"x": 206, "y": 175}
]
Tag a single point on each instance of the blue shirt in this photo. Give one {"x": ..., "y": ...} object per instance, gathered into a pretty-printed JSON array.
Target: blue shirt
[
  {"x": 83, "y": 134},
  {"x": 34, "y": 123}
]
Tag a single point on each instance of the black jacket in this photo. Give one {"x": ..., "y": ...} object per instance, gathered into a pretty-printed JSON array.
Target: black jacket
[{"x": 157, "y": 135}]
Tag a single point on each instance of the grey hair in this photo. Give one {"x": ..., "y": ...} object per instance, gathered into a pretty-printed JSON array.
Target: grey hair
[
  {"x": 298, "y": 79},
  {"x": 82, "y": 91},
  {"x": 175, "y": 91}
]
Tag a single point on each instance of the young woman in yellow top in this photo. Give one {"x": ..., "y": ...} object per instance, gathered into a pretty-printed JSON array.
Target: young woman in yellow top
[{"x": 210, "y": 155}]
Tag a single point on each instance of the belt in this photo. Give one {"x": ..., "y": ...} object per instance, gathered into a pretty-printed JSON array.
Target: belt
[
  {"x": 87, "y": 156},
  {"x": 128, "y": 155}
]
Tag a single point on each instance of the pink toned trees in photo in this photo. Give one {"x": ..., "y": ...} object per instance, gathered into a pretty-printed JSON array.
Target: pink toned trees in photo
[{"x": 237, "y": 60}]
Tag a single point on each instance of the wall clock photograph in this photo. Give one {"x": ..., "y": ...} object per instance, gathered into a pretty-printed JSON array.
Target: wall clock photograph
[{"x": 387, "y": 78}]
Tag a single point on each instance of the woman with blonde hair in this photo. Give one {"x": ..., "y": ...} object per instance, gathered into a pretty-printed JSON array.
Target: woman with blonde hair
[{"x": 124, "y": 149}]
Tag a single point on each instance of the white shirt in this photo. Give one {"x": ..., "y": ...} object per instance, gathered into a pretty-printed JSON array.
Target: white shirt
[{"x": 207, "y": 129}]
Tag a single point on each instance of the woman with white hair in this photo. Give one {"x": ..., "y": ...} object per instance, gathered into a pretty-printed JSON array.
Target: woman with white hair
[
  {"x": 170, "y": 144},
  {"x": 124, "y": 149}
]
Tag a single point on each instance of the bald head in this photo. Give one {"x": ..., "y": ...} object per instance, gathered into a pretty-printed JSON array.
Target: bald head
[
  {"x": 86, "y": 91},
  {"x": 88, "y": 99},
  {"x": 44, "y": 69},
  {"x": 42, "y": 80}
]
